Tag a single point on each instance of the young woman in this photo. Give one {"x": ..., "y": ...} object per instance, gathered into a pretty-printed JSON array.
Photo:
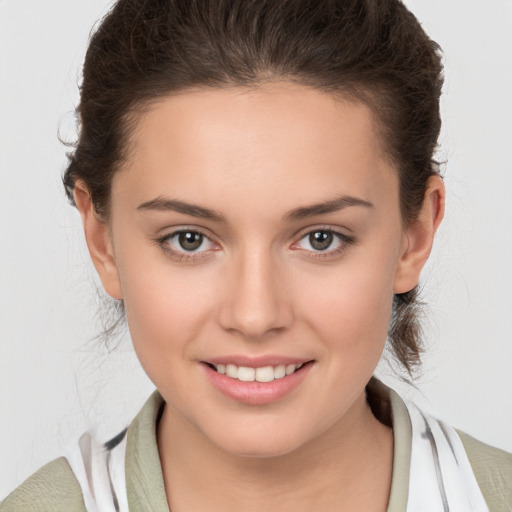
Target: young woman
[{"x": 257, "y": 187}]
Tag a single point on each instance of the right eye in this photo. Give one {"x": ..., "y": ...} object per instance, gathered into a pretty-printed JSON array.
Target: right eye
[
  {"x": 189, "y": 241},
  {"x": 186, "y": 244}
]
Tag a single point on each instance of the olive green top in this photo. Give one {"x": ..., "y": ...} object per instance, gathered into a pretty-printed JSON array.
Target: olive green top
[{"x": 54, "y": 488}]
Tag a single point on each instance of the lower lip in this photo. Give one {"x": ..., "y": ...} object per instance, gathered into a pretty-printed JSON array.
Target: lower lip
[{"x": 257, "y": 393}]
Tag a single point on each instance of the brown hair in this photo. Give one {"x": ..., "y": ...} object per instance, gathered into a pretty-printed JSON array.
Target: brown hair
[{"x": 372, "y": 50}]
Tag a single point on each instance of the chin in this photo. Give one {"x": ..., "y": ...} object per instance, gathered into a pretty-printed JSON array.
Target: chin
[
  {"x": 258, "y": 442},
  {"x": 262, "y": 450}
]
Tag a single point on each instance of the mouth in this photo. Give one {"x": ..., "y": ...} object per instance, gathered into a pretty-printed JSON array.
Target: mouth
[
  {"x": 258, "y": 374},
  {"x": 257, "y": 381}
]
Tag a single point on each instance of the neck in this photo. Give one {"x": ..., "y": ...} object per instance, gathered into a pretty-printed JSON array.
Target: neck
[{"x": 331, "y": 472}]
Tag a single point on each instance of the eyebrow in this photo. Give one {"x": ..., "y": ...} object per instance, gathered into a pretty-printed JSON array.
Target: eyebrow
[
  {"x": 331, "y": 206},
  {"x": 303, "y": 212},
  {"x": 163, "y": 204}
]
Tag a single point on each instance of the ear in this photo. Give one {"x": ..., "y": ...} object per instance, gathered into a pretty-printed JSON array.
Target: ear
[
  {"x": 418, "y": 237},
  {"x": 97, "y": 236}
]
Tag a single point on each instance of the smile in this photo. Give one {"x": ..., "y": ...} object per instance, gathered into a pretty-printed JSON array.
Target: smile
[
  {"x": 256, "y": 382},
  {"x": 260, "y": 374}
]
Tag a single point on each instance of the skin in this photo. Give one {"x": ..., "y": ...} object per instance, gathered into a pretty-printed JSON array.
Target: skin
[{"x": 257, "y": 286}]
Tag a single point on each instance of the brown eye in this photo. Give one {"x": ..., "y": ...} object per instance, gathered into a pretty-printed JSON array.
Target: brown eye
[
  {"x": 321, "y": 240},
  {"x": 187, "y": 245},
  {"x": 190, "y": 240},
  {"x": 324, "y": 243}
]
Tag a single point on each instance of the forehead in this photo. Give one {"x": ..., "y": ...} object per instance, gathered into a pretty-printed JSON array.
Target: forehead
[{"x": 282, "y": 142}]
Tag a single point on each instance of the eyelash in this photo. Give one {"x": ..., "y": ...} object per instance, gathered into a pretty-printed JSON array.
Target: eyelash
[
  {"x": 163, "y": 242},
  {"x": 344, "y": 241}
]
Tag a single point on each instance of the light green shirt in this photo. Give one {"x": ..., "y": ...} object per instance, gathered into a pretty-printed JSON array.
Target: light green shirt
[{"x": 54, "y": 488}]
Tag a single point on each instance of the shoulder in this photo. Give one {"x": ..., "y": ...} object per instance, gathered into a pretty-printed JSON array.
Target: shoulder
[
  {"x": 493, "y": 470},
  {"x": 53, "y": 488}
]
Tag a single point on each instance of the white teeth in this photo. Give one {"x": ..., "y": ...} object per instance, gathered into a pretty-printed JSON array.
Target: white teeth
[
  {"x": 265, "y": 374},
  {"x": 232, "y": 371},
  {"x": 290, "y": 369},
  {"x": 261, "y": 374},
  {"x": 279, "y": 371},
  {"x": 246, "y": 374}
]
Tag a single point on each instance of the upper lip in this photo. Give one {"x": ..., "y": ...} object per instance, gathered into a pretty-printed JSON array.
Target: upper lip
[{"x": 256, "y": 361}]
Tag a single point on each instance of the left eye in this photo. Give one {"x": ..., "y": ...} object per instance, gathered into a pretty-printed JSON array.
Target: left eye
[
  {"x": 188, "y": 241},
  {"x": 321, "y": 240}
]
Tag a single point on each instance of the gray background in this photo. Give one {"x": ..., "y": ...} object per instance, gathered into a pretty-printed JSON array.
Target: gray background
[{"x": 55, "y": 382}]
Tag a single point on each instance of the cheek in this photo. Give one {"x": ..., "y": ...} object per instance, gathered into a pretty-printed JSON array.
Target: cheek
[
  {"x": 166, "y": 306},
  {"x": 351, "y": 306}
]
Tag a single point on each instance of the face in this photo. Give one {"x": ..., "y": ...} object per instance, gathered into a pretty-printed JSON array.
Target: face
[{"x": 255, "y": 231}]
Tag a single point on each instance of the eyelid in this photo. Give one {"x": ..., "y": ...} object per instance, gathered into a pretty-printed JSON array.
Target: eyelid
[
  {"x": 169, "y": 231},
  {"x": 346, "y": 241},
  {"x": 183, "y": 255}
]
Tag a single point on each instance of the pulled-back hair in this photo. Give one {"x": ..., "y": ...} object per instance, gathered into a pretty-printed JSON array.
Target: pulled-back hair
[{"x": 374, "y": 51}]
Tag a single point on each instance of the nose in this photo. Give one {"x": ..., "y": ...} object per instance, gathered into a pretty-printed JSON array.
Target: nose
[{"x": 255, "y": 300}]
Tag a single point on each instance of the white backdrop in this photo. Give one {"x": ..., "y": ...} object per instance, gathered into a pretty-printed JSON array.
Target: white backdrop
[{"x": 55, "y": 382}]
